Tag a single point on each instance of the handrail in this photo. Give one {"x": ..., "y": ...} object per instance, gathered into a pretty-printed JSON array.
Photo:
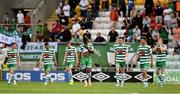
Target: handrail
[{"x": 38, "y": 7}]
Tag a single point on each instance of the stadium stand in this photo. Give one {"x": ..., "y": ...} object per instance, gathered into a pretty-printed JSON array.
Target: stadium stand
[{"x": 101, "y": 23}]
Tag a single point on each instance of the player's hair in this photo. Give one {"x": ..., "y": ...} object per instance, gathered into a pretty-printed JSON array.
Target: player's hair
[
  {"x": 13, "y": 43},
  {"x": 46, "y": 43},
  {"x": 85, "y": 39}
]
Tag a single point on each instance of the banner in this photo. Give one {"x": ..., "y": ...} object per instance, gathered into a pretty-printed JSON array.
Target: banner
[
  {"x": 6, "y": 39},
  {"x": 110, "y": 76},
  {"x": 33, "y": 50},
  {"x": 60, "y": 76},
  {"x": 37, "y": 76},
  {"x": 171, "y": 77},
  {"x": 33, "y": 57},
  {"x": 35, "y": 47}
]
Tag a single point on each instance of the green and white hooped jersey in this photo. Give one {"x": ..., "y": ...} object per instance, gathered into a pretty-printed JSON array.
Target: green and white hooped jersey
[
  {"x": 47, "y": 56},
  {"x": 12, "y": 55},
  {"x": 84, "y": 50},
  {"x": 144, "y": 51},
  {"x": 70, "y": 54},
  {"x": 160, "y": 56},
  {"x": 120, "y": 52}
]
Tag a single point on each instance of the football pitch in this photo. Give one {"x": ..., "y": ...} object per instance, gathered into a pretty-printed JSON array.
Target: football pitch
[{"x": 77, "y": 88}]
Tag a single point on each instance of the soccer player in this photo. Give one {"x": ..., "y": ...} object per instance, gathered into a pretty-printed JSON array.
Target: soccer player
[
  {"x": 12, "y": 59},
  {"x": 69, "y": 60},
  {"x": 48, "y": 58},
  {"x": 121, "y": 53},
  {"x": 145, "y": 56},
  {"x": 86, "y": 50},
  {"x": 160, "y": 50}
]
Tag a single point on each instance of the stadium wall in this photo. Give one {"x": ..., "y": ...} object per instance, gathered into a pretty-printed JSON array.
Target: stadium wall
[{"x": 4, "y": 7}]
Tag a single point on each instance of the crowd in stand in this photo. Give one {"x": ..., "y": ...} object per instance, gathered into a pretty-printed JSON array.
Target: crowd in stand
[
  {"x": 160, "y": 20},
  {"x": 75, "y": 17}
]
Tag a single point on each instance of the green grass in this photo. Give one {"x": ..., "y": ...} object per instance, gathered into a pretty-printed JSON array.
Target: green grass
[{"x": 77, "y": 88}]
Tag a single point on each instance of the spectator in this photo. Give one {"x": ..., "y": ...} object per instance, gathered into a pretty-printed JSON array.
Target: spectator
[
  {"x": 138, "y": 19},
  {"x": 13, "y": 23},
  {"x": 122, "y": 7},
  {"x": 20, "y": 17},
  {"x": 66, "y": 35},
  {"x": 58, "y": 10},
  {"x": 99, "y": 38},
  {"x": 27, "y": 20},
  {"x": 171, "y": 6},
  {"x": 154, "y": 33},
  {"x": 46, "y": 33},
  {"x": 130, "y": 6},
  {"x": 6, "y": 18},
  {"x": 174, "y": 3},
  {"x": 96, "y": 68},
  {"x": 73, "y": 4},
  {"x": 87, "y": 34},
  {"x": 153, "y": 21},
  {"x": 78, "y": 11},
  {"x": 176, "y": 37},
  {"x": 56, "y": 30},
  {"x": 95, "y": 7},
  {"x": 126, "y": 22},
  {"x": 129, "y": 34},
  {"x": 167, "y": 16},
  {"x": 105, "y": 4},
  {"x": 63, "y": 19},
  {"x": 89, "y": 19},
  {"x": 83, "y": 4},
  {"x": 163, "y": 33},
  {"x": 114, "y": 17},
  {"x": 173, "y": 22},
  {"x": 112, "y": 35},
  {"x": 66, "y": 9},
  {"x": 39, "y": 31},
  {"x": 159, "y": 12},
  {"x": 25, "y": 38},
  {"x": 75, "y": 27},
  {"x": 149, "y": 4},
  {"x": 146, "y": 21},
  {"x": 178, "y": 18},
  {"x": 82, "y": 23},
  {"x": 137, "y": 33}
]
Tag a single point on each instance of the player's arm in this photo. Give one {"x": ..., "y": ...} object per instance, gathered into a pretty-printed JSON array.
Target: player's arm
[
  {"x": 77, "y": 59},
  {"x": 55, "y": 60},
  {"x": 90, "y": 50},
  {"x": 162, "y": 48},
  {"x": 126, "y": 55},
  {"x": 151, "y": 57},
  {"x": 64, "y": 59},
  {"x": 155, "y": 48},
  {"x": 41, "y": 57}
]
